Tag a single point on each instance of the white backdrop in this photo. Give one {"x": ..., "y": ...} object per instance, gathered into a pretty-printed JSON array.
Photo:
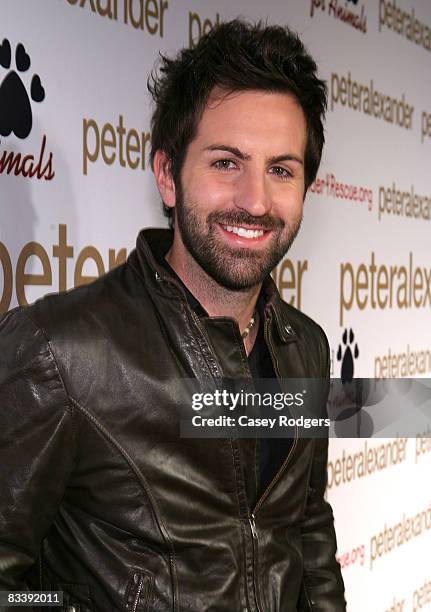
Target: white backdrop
[{"x": 76, "y": 188}]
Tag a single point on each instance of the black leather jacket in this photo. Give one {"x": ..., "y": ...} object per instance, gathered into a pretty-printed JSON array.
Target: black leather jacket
[{"x": 101, "y": 498}]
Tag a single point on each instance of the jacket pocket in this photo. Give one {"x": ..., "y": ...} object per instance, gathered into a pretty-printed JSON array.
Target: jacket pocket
[{"x": 139, "y": 591}]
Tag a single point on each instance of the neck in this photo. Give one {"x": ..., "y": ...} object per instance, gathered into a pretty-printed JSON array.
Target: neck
[{"x": 217, "y": 300}]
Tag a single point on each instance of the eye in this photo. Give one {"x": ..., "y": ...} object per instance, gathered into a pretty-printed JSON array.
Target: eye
[
  {"x": 224, "y": 164},
  {"x": 281, "y": 172}
]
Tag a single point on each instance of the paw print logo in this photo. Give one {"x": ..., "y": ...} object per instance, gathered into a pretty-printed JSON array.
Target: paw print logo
[
  {"x": 15, "y": 108},
  {"x": 346, "y": 355}
]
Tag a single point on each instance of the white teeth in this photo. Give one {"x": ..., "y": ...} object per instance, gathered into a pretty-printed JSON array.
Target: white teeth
[{"x": 241, "y": 231}]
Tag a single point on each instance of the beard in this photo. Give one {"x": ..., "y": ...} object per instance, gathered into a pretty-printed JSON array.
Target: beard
[{"x": 235, "y": 268}]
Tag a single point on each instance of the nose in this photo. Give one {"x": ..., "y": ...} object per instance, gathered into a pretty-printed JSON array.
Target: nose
[{"x": 253, "y": 194}]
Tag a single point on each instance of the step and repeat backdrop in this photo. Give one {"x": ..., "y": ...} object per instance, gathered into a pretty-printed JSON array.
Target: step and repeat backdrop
[{"x": 76, "y": 186}]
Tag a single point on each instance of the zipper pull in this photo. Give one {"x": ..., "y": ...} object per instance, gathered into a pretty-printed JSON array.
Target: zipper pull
[{"x": 253, "y": 526}]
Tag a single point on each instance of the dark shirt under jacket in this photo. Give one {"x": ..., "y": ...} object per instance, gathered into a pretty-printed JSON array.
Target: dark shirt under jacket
[{"x": 272, "y": 451}]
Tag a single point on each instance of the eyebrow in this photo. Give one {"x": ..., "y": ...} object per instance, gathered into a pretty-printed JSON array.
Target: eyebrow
[{"x": 244, "y": 156}]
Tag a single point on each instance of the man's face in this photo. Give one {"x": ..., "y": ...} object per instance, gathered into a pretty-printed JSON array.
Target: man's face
[{"x": 240, "y": 199}]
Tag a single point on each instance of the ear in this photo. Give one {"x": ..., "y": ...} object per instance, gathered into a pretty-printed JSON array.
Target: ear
[{"x": 164, "y": 180}]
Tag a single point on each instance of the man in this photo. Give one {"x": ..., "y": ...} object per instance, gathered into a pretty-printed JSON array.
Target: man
[{"x": 102, "y": 498}]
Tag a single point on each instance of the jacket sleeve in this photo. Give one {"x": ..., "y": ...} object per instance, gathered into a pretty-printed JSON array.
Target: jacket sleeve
[
  {"x": 323, "y": 586},
  {"x": 36, "y": 445}
]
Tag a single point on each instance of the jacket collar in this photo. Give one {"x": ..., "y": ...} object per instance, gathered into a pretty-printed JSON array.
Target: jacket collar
[
  {"x": 153, "y": 243},
  {"x": 274, "y": 303}
]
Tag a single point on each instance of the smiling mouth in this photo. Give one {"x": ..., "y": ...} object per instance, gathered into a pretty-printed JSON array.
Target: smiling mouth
[{"x": 244, "y": 232}]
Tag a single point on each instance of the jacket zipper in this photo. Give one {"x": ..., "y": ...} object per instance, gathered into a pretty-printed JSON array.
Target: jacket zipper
[
  {"x": 196, "y": 320},
  {"x": 252, "y": 517},
  {"x": 253, "y": 527},
  {"x": 138, "y": 593},
  {"x": 295, "y": 440},
  {"x": 252, "y": 520},
  {"x": 202, "y": 332},
  {"x": 254, "y": 542}
]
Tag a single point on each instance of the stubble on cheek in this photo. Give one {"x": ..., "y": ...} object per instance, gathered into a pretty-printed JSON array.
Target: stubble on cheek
[{"x": 232, "y": 267}]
